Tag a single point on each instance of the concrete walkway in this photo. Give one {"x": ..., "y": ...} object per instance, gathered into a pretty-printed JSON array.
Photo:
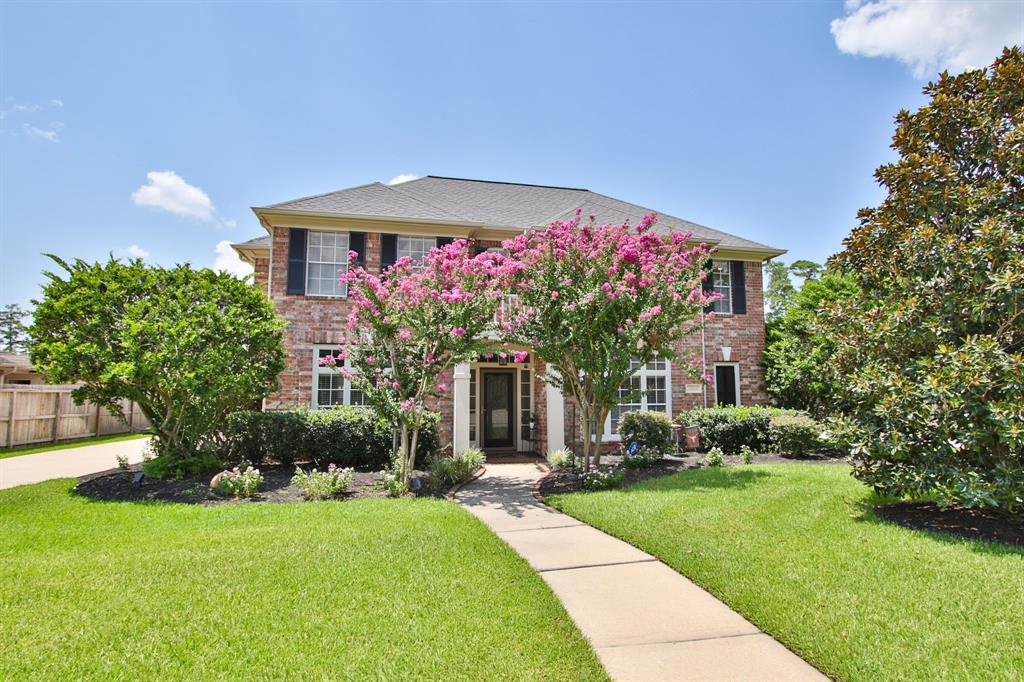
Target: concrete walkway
[
  {"x": 644, "y": 620},
  {"x": 68, "y": 462}
]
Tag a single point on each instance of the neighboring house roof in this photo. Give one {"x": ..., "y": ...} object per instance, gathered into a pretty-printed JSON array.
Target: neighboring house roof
[
  {"x": 15, "y": 362},
  {"x": 487, "y": 203},
  {"x": 255, "y": 243}
]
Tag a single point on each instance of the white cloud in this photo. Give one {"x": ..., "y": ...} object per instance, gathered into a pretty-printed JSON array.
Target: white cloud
[
  {"x": 228, "y": 223},
  {"x": 26, "y": 107},
  {"x": 56, "y": 103},
  {"x": 168, "y": 191},
  {"x": 930, "y": 36},
  {"x": 50, "y": 134},
  {"x": 404, "y": 177},
  {"x": 133, "y": 251},
  {"x": 228, "y": 260}
]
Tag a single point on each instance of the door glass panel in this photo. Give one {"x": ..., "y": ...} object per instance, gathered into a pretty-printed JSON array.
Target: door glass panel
[{"x": 498, "y": 409}]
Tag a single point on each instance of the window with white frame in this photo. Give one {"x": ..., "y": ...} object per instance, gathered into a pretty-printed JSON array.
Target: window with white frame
[
  {"x": 721, "y": 281},
  {"x": 650, "y": 387},
  {"x": 414, "y": 247},
  {"x": 326, "y": 259},
  {"x": 330, "y": 387}
]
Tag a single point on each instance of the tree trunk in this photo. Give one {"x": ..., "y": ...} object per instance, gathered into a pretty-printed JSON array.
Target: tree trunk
[
  {"x": 602, "y": 415},
  {"x": 403, "y": 449},
  {"x": 412, "y": 454}
]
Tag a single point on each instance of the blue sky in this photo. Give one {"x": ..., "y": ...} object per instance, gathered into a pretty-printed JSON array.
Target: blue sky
[{"x": 743, "y": 116}]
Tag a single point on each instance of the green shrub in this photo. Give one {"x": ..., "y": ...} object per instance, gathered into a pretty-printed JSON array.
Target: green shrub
[
  {"x": 344, "y": 436},
  {"x": 730, "y": 428},
  {"x": 652, "y": 431},
  {"x": 448, "y": 471},
  {"x": 237, "y": 482},
  {"x": 641, "y": 460},
  {"x": 391, "y": 483},
  {"x": 562, "y": 460},
  {"x": 795, "y": 435},
  {"x": 747, "y": 454},
  {"x": 172, "y": 467},
  {"x": 321, "y": 485},
  {"x": 715, "y": 457},
  {"x": 602, "y": 478}
]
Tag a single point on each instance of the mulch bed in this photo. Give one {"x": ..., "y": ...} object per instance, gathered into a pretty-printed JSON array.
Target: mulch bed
[
  {"x": 973, "y": 524},
  {"x": 119, "y": 486},
  {"x": 558, "y": 482}
]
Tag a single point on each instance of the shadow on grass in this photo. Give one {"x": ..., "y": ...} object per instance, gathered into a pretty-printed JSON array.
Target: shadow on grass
[
  {"x": 871, "y": 509},
  {"x": 696, "y": 480}
]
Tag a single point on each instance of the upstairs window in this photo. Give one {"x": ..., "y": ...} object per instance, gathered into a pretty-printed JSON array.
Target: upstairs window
[
  {"x": 415, "y": 247},
  {"x": 721, "y": 283},
  {"x": 326, "y": 259}
]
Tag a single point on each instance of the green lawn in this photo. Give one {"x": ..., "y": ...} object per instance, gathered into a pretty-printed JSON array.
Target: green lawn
[
  {"x": 370, "y": 589},
  {"x": 66, "y": 444},
  {"x": 796, "y": 549}
]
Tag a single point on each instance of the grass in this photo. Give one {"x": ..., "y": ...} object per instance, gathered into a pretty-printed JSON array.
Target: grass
[
  {"x": 67, "y": 444},
  {"x": 798, "y": 551},
  {"x": 364, "y": 589}
]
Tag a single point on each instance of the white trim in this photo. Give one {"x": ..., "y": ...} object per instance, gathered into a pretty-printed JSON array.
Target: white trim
[
  {"x": 736, "y": 370},
  {"x": 318, "y": 371},
  {"x": 518, "y": 445},
  {"x": 643, "y": 373},
  {"x": 722, "y": 268}
]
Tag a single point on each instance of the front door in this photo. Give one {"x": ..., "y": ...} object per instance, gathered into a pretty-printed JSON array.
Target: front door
[{"x": 498, "y": 404}]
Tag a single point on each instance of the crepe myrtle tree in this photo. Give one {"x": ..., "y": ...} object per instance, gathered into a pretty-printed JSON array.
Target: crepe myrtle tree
[
  {"x": 188, "y": 346},
  {"x": 410, "y": 324},
  {"x": 594, "y": 297}
]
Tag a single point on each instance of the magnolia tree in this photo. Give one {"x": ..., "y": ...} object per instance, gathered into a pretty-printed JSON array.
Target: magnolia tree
[
  {"x": 410, "y": 324},
  {"x": 593, "y": 298}
]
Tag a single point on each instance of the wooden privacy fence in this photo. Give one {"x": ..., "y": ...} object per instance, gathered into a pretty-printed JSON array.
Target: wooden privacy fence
[{"x": 47, "y": 414}]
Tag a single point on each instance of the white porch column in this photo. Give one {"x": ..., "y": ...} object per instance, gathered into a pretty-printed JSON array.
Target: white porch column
[
  {"x": 460, "y": 409},
  {"x": 555, "y": 414}
]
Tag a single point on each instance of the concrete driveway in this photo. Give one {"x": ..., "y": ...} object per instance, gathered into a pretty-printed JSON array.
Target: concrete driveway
[{"x": 68, "y": 462}]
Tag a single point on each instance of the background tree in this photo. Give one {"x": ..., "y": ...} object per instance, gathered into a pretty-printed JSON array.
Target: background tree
[
  {"x": 189, "y": 346},
  {"x": 595, "y": 297},
  {"x": 410, "y": 324},
  {"x": 930, "y": 353},
  {"x": 13, "y": 333},
  {"x": 798, "y": 350},
  {"x": 779, "y": 290}
]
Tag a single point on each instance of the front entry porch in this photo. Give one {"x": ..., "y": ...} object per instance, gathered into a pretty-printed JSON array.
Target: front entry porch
[{"x": 504, "y": 408}]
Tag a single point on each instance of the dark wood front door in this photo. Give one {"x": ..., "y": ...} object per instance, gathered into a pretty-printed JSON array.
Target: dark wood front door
[{"x": 499, "y": 408}]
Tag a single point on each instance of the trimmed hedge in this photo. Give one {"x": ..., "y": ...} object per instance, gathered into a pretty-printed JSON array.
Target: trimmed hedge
[
  {"x": 762, "y": 429},
  {"x": 344, "y": 436},
  {"x": 652, "y": 431}
]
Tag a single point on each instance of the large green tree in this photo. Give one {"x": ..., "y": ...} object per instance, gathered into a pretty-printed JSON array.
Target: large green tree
[
  {"x": 798, "y": 349},
  {"x": 930, "y": 353},
  {"x": 189, "y": 346}
]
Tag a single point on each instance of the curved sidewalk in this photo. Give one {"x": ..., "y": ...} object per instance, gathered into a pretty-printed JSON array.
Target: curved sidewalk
[
  {"x": 68, "y": 462},
  {"x": 644, "y": 620}
]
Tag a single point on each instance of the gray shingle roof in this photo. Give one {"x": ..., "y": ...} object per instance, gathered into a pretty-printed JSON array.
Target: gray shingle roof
[
  {"x": 494, "y": 204},
  {"x": 255, "y": 243}
]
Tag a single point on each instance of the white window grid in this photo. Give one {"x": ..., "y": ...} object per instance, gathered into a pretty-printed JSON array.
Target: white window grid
[
  {"x": 721, "y": 281},
  {"x": 415, "y": 247},
  {"x": 330, "y": 387},
  {"x": 654, "y": 383},
  {"x": 326, "y": 259}
]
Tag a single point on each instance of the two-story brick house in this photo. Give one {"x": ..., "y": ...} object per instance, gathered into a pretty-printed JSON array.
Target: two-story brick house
[{"x": 499, "y": 406}]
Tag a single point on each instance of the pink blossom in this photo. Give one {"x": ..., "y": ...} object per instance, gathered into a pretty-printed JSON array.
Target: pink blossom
[
  {"x": 442, "y": 388},
  {"x": 458, "y": 331},
  {"x": 520, "y": 356}
]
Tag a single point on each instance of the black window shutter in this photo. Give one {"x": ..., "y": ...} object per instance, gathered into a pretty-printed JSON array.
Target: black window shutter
[
  {"x": 357, "y": 243},
  {"x": 444, "y": 241},
  {"x": 296, "y": 261},
  {"x": 708, "y": 285},
  {"x": 739, "y": 288},
  {"x": 388, "y": 250}
]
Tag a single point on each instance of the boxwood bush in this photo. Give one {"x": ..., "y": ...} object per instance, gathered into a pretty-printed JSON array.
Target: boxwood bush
[
  {"x": 652, "y": 431},
  {"x": 796, "y": 435},
  {"x": 344, "y": 436},
  {"x": 730, "y": 428}
]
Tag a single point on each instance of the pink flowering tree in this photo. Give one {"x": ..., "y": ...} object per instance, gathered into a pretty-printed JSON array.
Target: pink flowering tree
[
  {"x": 595, "y": 296},
  {"x": 410, "y": 324}
]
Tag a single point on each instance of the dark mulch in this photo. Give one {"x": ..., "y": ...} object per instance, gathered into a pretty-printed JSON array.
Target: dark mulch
[
  {"x": 973, "y": 524},
  {"x": 558, "y": 482},
  {"x": 119, "y": 486}
]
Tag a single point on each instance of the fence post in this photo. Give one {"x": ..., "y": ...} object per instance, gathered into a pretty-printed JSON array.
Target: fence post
[
  {"x": 97, "y": 427},
  {"x": 10, "y": 419},
  {"x": 56, "y": 415}
]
